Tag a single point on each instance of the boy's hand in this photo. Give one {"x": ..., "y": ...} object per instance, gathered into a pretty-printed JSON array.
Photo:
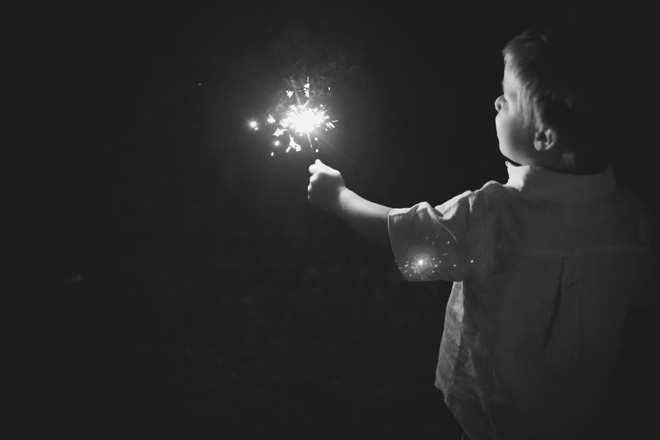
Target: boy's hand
[
  {"x": 328, "y": 191},
  {"x": 325, "y": 185}
]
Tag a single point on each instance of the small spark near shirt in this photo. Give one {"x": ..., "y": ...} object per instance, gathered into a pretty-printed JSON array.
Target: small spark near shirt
[{"x": 545, "y": 269}]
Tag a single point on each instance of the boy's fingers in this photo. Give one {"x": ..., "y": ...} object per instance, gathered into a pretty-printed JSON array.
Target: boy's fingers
[{"x": 316, "y": 166}]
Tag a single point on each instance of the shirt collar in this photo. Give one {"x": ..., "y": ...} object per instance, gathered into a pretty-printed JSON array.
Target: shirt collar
[{"x": 541, "y": 182}]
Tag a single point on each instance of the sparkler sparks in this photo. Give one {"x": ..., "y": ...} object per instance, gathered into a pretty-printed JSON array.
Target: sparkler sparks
[
  {"x": 299, "y": 117},
  {"x": 302, "y": 120},
  {"x": 425, "y": 263}
]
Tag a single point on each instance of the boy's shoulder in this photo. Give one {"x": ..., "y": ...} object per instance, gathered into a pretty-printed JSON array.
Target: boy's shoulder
[{"x": 493, "y": 189}]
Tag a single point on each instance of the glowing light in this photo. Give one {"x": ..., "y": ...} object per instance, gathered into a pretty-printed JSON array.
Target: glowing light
[
  {"x": 300, "y": 113},
  {"x": 424, "y": 263},
  {"x": 303, "y": 120}
]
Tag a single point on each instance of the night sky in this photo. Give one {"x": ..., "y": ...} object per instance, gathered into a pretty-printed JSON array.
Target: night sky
[{"x": 174, "y": 258}]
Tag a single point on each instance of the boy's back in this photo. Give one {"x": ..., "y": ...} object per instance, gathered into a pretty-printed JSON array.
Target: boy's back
[{"x": 546, "y": 269}]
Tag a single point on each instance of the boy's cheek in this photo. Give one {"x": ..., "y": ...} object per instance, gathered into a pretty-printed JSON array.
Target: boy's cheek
[{"x": 498, "y": 125}]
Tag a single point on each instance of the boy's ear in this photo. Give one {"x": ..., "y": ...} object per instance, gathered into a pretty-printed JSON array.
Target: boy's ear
[{"x": 545, "y": 138}]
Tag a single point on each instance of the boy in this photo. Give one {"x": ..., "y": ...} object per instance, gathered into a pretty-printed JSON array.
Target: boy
[{"x": 545, "y": 268}]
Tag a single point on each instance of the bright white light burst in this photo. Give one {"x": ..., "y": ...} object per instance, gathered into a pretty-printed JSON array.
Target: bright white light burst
[
  {"x": 304, "y": 120},
  {"x": 299, "y": 117}
]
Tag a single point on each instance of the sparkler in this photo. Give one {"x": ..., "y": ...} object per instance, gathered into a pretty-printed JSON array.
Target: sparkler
[{"x": 298, "y": 116}]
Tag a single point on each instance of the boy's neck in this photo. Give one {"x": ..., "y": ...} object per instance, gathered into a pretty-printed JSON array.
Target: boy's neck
[{"x": 574, "y": 171}]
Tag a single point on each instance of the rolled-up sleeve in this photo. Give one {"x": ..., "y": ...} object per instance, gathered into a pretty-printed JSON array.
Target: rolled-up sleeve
[{"x": 432, "y": 243}]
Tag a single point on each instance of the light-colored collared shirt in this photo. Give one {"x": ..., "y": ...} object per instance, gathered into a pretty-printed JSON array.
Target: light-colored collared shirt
[{"x": 545, "y": 269}]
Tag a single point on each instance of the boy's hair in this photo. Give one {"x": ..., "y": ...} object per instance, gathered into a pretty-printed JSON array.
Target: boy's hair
[{"x": 561, "y": 87}]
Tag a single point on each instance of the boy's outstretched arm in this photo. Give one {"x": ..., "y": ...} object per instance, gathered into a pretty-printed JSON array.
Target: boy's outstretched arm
[{"x": 328, "y": 191}]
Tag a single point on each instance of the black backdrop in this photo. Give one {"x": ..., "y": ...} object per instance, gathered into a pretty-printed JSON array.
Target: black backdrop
[{"x": 184, "y": 286}]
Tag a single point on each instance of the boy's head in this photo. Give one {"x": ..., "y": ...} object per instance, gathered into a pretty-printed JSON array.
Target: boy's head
[{"x": 549, "y": 113}]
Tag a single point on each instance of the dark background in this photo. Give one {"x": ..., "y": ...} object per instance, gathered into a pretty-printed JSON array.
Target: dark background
[{"x": 180, "y": 284}]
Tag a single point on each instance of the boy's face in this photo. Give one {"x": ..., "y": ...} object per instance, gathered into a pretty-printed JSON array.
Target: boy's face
[{"x": 516, "y": 138}]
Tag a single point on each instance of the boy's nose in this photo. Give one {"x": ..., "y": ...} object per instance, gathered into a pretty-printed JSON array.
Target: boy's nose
[{"x": 498, "y": 103}]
